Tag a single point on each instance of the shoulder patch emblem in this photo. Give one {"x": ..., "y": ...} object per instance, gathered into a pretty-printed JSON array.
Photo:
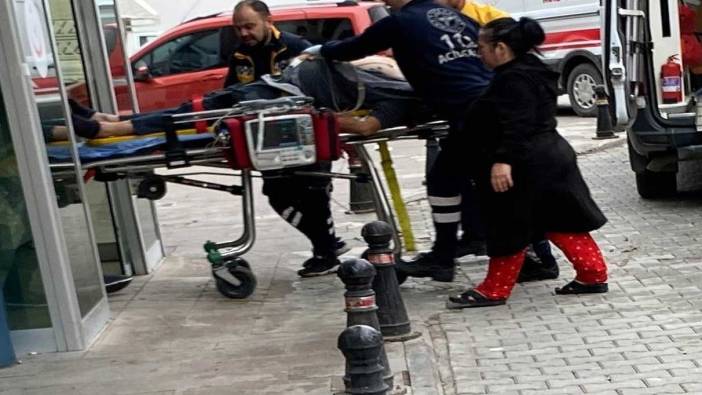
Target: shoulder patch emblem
[{"x": 446, "y": 20}]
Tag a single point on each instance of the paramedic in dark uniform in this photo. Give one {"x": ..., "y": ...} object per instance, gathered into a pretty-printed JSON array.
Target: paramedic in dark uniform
[
  {"x": 263, "y": 49},
  {"x": 436, "y": 49},
  {"x": 303, "y": 202}
]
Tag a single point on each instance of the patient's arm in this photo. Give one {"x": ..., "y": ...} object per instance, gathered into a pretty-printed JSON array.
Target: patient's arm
[{"x": 365, "y": 126}]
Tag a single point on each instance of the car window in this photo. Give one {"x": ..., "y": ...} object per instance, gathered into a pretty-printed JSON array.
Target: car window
[
  {"x": 192, "y": 52},
  {"x": 318, "y": 31}
]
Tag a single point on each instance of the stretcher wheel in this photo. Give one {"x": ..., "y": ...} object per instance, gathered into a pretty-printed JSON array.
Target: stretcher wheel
[
  {"x": 152, "y": 188},
  {"x": 245, "y": 278}
]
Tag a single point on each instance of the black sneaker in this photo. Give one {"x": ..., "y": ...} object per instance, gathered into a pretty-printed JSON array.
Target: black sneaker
[
  {"x": 340, "y": 247},
  {"x": 425, "y": 265},
  {"x": 471, "y": 247},
  {"x": 319, "y": 266},
  {"x": 535, "y": 269}
]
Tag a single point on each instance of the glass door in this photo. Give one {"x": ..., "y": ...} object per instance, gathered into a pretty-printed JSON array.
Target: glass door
[
  {"x": 20, "y": 275},
  {"x": 65, "y": 114},
  {"x": 140, "y": 226}
]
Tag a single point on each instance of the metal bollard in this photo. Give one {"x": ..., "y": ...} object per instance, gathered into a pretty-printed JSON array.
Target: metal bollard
[
  {"x": 357, "y": 275},
  {"x": 392, "y": 315},
  {"x": 361, "y": 345},
  {"x": 604, "y": 119},
  {"x": 360, "y": 193}
]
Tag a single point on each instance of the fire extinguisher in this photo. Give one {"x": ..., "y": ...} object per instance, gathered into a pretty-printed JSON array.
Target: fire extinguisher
[{"x": 671, "y": 81}]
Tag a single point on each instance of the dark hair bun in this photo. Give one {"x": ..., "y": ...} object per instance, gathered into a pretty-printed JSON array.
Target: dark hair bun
[{"x": 532, "y": 33}]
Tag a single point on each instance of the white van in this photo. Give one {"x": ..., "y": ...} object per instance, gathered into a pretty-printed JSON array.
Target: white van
[
  {"x": 572, "y": 46},
  {"x": 640, "y": 36}
]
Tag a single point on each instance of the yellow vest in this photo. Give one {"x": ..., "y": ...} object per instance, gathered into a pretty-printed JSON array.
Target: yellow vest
[{"x": 482, "y": 13}]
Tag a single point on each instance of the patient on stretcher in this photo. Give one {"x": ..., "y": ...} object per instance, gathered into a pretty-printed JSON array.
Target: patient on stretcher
[{"x": 374, "y": 84}]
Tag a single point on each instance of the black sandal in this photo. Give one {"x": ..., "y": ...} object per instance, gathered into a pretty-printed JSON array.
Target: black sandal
[
  {"x": 574, "y": 288},
  {"x": 472, "y": 298}
]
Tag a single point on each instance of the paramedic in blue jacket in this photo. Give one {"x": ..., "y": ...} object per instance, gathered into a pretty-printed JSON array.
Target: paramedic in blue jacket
[{"x": 436, "y": 49}]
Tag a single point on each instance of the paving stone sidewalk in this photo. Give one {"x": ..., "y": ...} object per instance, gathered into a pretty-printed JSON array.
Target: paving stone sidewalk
[
  {"x": 172, "y": 333},
  {"x": 643, "y": 337}
]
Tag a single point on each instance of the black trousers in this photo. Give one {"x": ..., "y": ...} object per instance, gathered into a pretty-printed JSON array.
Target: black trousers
[
  {"x": 453, "y": 201},
  {"x": 304, "y": 202}
]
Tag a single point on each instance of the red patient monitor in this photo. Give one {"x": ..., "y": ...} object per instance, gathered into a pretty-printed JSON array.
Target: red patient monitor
[{"x": 282, "y": 141}]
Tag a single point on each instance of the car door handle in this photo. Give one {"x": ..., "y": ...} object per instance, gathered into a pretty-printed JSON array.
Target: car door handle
[{"x": 212, "y": 77}]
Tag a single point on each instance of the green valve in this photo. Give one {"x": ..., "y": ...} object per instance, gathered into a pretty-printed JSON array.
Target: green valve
[
  {"x": 210, "y": 246},
  {"x": 215, "y": 257}
]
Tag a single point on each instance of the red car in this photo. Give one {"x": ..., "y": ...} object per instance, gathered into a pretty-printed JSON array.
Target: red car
[{"x": 190, "y": 59}]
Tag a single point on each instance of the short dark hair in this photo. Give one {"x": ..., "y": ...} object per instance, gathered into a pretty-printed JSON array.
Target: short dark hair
[
  {"x": 521, "y": 36},
  {"x": 257, "y": 5}
]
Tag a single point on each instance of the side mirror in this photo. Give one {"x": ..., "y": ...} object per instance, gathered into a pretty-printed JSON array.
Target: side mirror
[{"x": 142, "y": 73}]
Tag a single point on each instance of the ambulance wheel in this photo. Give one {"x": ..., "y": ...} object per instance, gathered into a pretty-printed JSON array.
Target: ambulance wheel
[
  {"x": 581, "y": 89},
  {"x": 152, "y": 188},
  {"x": 246, "y": 286}
]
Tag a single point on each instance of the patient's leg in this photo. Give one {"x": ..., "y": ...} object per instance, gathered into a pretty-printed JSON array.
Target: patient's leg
[
  {"x": 110, "y": 129},
  {"x": 91, "y": 129},
  {"x": 89, "y": 113}
]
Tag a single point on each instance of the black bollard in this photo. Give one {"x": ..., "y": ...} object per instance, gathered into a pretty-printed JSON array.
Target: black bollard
[
  {"x": 357, "y": 275},
  {"x": 361, "y": 345},
  {"x": 360, "y": 193},
  {"x": 392, "y": 315},
  {"x": 604, "y": 119}
]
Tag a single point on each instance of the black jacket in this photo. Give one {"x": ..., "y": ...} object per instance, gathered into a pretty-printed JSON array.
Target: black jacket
[
  {"x": 248, "y": 64},
  {"x": 436, "y": 49},
  {"x": 514, "y": 122}
]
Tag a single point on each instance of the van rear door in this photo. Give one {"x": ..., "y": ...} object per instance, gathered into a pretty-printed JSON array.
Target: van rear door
[
  {"x": 619, "y": 59},
  {"x": 639, "y": 38}
]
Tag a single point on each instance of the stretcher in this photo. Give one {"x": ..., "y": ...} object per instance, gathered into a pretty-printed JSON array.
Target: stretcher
[{"x": 243, "y": 136}]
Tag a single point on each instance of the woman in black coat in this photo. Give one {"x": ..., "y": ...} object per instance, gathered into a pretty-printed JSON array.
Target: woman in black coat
[{"x": 527, "y": 174}]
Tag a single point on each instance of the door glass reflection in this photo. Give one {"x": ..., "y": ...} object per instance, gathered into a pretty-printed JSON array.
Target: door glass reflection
[
  {"x": 20, "y": 277},
  {"x": 66, "y": 172}
]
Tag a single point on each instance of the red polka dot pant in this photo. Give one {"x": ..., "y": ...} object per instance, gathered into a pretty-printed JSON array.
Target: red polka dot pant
[{"x": 580, "y": 249}]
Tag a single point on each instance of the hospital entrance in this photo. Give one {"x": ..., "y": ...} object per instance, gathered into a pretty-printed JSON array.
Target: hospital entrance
[{"x": 64, "y": 235}]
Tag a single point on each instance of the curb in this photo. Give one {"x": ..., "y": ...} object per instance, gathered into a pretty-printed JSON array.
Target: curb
[{"x": 621, "y": 140}]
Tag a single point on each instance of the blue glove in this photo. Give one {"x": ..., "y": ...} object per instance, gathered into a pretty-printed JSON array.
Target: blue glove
[{"x": 315, "y": 50}]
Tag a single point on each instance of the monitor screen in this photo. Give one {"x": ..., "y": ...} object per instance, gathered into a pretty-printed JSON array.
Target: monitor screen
[{"x": 279, "y": 133}]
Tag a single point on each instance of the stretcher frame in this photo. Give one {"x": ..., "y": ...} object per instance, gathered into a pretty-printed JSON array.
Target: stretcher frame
[{"x": 228, "y": 254}]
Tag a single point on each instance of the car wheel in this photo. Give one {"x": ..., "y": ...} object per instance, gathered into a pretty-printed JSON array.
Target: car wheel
[
  {"x": 581, "y": 89},
  {"x": 653, "y": 185}
]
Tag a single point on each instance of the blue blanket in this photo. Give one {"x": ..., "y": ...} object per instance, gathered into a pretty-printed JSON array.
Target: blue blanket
[{"x": 125, "y": 148}]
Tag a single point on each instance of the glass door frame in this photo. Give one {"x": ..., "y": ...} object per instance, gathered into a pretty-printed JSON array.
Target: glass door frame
[
  {"x": 143, "y": 258},
  {"x": 71, "y": 331}
]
